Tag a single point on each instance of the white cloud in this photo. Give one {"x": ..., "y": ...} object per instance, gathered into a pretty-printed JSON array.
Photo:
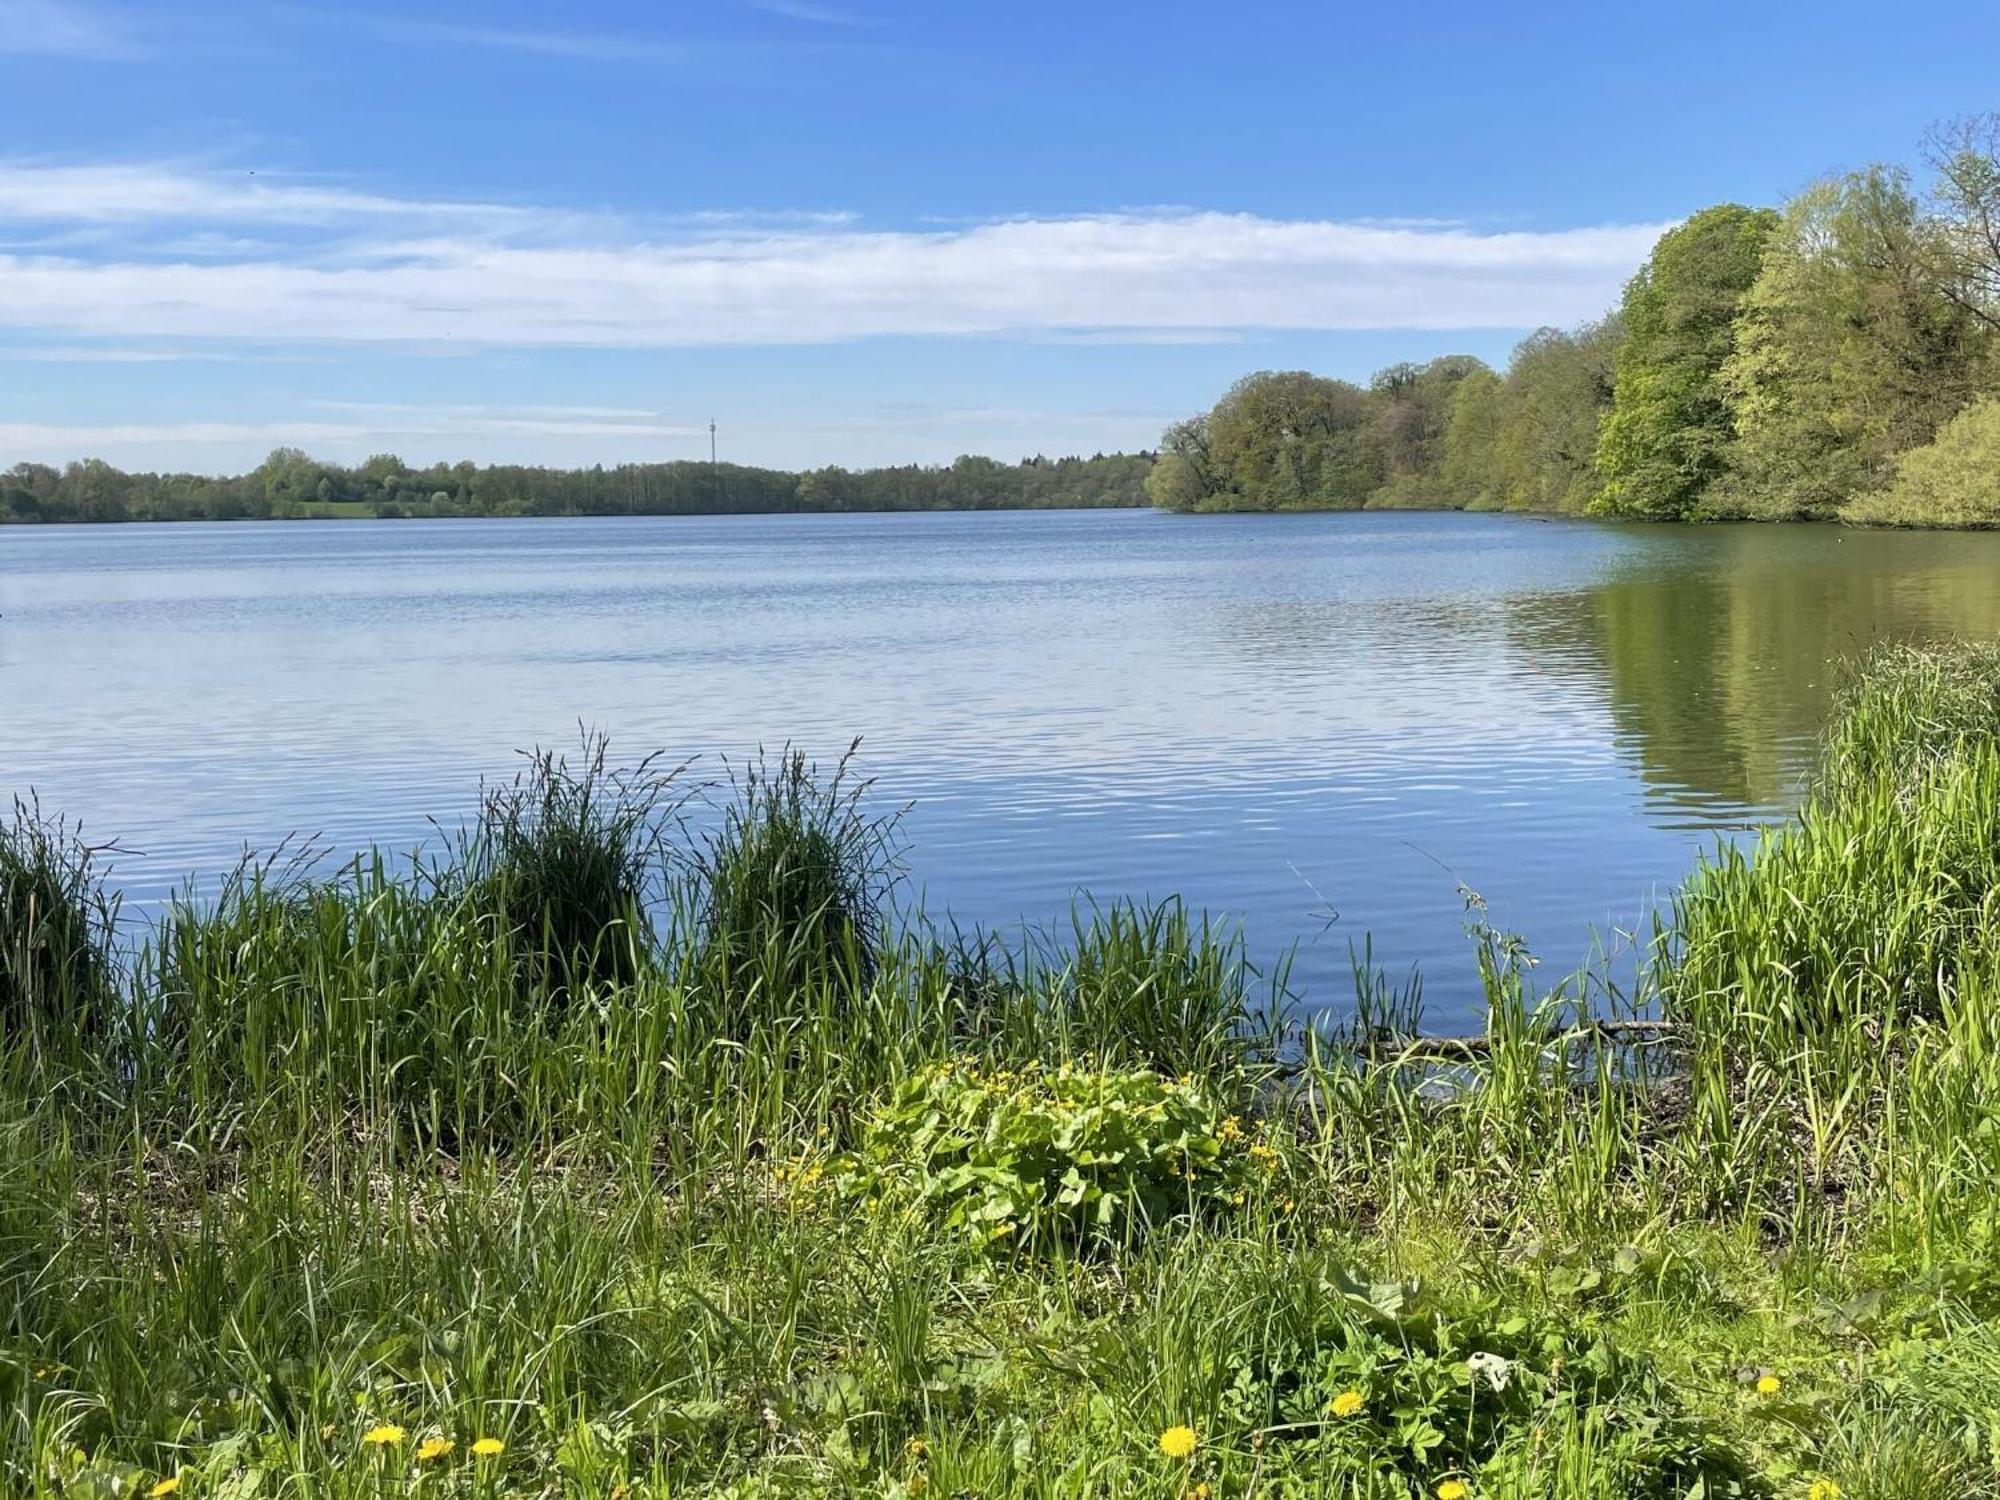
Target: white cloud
[
  {"x": 52, "y": 28},
  {"x": 369, "y": 268}
]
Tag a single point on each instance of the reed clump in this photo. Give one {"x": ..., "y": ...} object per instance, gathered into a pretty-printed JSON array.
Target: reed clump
[
  {"x": 793, "y": 886},
  {"x": 57, "y": 922},
  {"x": 645, "y": 1144},
  {"x": 567, "y": 861}
]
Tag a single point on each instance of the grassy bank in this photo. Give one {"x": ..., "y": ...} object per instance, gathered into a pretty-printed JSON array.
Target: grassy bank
[{"x": 601, "y": 1158}]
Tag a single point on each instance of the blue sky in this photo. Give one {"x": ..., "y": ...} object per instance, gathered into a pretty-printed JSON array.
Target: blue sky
[{"x": 856, "y": 231}]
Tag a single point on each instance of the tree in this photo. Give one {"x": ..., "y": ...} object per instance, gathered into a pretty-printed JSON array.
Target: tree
[
  {"x": 288, "y": 475},
  {"x": 1847, "y": 351},
  {"x": 1184, "y": 476},
  {"x": 1667, "y": 435},
  {"x": 1965, "y": 208},
  {"x": 1468, "y": 476},
  {"x": 1411, "y": 413},
  {"x": 1559, "y": 387},
  {"x": 1288, "y": 440}
]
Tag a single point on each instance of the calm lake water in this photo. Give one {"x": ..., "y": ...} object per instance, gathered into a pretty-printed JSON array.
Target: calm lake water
[{"x": 1278, "y": 717}]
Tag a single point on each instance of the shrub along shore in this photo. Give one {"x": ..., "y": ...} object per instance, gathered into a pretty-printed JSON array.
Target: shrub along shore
[{"x": 599, "y": 1157}]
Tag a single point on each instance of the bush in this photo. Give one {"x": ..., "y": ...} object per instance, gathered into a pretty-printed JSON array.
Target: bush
[
  {"x": 794, "y": 886},
  {"x": 56, "y": 925},
  {"x": 1040, "y": 1156},
  {"x": 1953, "y": 480}
]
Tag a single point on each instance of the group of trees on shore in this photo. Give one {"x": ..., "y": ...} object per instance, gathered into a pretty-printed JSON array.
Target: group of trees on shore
[
  {"x": 292, "y": 485},
  {"x": 1836, "y": 358}
]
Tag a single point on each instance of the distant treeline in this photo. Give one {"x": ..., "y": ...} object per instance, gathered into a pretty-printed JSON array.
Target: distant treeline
[
  {"x": 1838, "y": 358},
  {"x": 290, "y": 485}
]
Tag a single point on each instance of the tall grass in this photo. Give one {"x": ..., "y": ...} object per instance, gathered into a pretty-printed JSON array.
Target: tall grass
[
  {"x": 793, "y": 887},
  {"x": 565, "y": 860},
  {"x": 544, "y": 1142},
  {"x": 57, "y": 922}
]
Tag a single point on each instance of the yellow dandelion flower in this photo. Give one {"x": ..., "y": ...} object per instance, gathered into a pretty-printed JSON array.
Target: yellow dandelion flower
[
  {"x": 434, "y": 1448},
  {"x": 1347, "y": 1404},
  {"x": 1767, "y": 1385},
  {"x": 388, "y": 1435},
  {"x": 1823, "y": 1489},
  {"x": 915, "y": 1449},
  {"x": 1453, "y": 1489},
  {"x": 171, "y": 1485},
  {"x": 916, "y": 1484},
  {"x": 1178, "y": 1442},
  {"x": 1199, "y": 1492},
  {"x": 488, "y": 1448}
]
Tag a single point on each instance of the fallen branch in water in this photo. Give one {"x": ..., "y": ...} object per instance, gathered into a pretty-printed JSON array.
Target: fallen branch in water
[{"x": 1633, "y": 1032}]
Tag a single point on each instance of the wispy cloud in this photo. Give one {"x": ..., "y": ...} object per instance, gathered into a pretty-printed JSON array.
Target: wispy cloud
[
  {"x": 739, "y": 56},
  {"x": 360, "y": 267},
  {"x": 101, "y": 354},
  {"x": 59, "y": 28},
  {"x": 152, "y": 192},
  {"x": 446, "y": 425},
  {"x": 803, "y": 10},
  {"x": 897, "y": 433},
  {"x": 582, "y": 46},
  {"x": 57, "y": 206}
]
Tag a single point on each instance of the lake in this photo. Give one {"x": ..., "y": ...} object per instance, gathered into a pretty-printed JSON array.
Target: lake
[{"x": 1321, "y": 724}]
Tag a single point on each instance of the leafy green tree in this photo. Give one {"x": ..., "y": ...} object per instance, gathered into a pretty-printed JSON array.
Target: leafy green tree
[
  {"x": 1667, "y": 435},
  {"x": 1287, "y": 440},
  {"x": 1468, "y": 471},
  {"x": 1559, "y": 387},
  {"x": 1185, "y": 476},
  {"x": 288, "y": 475},
  {"x": 1847, "y": 350},
  {"x": 1410, "y": 415}
]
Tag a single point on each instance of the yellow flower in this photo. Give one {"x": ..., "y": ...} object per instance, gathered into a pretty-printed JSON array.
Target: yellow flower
[
  {"x": 386, "y": 1436},
  {"x": 1767, "y": 1385},
  {"x": 434, "y": 1447},
  {"x": 171, "y": 1485},
  {"x": 1178, "y": 1442},
  {"x": 1348, "y": 1404},
  {"x": 916, "y": 1485},
  {"x": 915, "y": 1449},
  {"x": 1199, "y": 1492},
  {"x": 1823, "y": 1489},
  {"x": 1453, "y": 1489},
  {"x": 488, "y": 1448}
]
